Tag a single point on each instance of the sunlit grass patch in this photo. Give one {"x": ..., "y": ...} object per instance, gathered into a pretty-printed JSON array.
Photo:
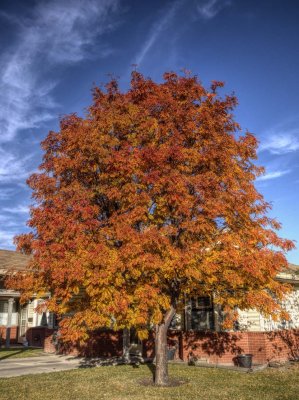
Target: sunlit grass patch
[{"x": 123, "y": 383}]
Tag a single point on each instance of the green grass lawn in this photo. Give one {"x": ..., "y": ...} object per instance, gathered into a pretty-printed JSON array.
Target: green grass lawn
[
  {"x": 19, "y": 352},
  {"x": 121, "y": 383}
]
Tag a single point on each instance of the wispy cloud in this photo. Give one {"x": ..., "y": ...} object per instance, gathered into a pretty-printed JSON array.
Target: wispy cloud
[
  {"x": 273, "y": 175},
  {"x": 156, "y": 31},
  {"x": 281, "y": 142},
  {"x": 12, "y": 167},
  {"x": 11, "y": 18},
  {"x": 8, "y": 221},
  {"x": 6, "y": 239},
  {"x": 56, "y": 33},
  {"x": 19, "y": 209},
  {"x": 9, "y": 227},
  {"x": 208, "y": 9},
  {"x": 6, "y": 193}
]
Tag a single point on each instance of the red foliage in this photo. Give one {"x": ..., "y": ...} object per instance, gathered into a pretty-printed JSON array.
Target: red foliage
[{"x": 148, "y": 199}]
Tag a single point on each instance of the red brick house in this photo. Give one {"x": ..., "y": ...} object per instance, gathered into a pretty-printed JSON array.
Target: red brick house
[
  {"x": 19, "y": 323},
  {"x": 194, "y": 333}
]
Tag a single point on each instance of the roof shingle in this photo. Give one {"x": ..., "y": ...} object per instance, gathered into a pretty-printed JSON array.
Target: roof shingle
[{"x": 12, "y": 260}]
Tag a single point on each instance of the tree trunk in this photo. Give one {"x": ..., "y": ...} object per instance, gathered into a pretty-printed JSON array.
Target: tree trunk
[
  {"x": 126, "y": 345},
  {"x": 161, "y": 371}
]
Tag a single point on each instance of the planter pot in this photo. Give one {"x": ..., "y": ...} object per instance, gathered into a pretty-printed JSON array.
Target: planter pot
[{"x": 244, "y": 360}]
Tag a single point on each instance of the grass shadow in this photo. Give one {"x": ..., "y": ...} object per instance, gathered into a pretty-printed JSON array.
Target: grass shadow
[
  {"x": 91, "y": 362},
  {"x": 8, "y": 353}
]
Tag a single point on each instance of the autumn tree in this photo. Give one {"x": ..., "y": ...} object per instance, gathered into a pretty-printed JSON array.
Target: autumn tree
[{"x": 146, "y": 201}]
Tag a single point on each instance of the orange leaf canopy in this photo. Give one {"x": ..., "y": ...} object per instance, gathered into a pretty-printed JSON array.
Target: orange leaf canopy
[{"x": 146, "y": 201}]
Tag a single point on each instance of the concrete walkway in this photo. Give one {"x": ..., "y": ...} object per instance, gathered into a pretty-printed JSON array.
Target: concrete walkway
[{"x": 37, "y": 365}]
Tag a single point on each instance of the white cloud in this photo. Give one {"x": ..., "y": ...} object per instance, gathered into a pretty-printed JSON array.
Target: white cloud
[
  {"x": 9, "y": 227},
  {"x": 12, "y": 223},
  {"x": 156, "y": 31},
  {"x": 208, "y": 9},
  {"x": 6, "y": 193},
  {"x": 7, "y": 221},
  {"x": 56, "y": 33},
  {"x": 13, "y": 168},
  {"x": 6, "y": 239},
  {"x": 281, "y": 143},
  {"x": 273, "y": 175},
  {"x": 69, "y": 28},
  {"x": 19, "y": 209}
]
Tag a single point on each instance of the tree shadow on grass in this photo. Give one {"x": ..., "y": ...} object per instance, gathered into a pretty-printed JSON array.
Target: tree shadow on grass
[
  {"x": 87, "y": 362},
  {"x": 11, "y": 352}
]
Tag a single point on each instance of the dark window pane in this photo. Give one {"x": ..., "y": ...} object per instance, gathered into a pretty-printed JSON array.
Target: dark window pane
[
  {"x": 204, "y": 302},
  {"x": 202, "y": 320},
  {"x": 3, "y": 306},
  {"x": 201, "y": 302}
]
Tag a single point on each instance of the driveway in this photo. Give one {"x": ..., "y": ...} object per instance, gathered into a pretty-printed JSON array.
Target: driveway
[{"x": 37, "y": 365}]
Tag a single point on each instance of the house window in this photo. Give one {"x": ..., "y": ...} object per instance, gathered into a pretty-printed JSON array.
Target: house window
[
  {"x": 55, "y": 321},
  {"x": 201, "y": 314},
  {"x": 4, "y": 311},
  {"x": 3, "y": 306}
]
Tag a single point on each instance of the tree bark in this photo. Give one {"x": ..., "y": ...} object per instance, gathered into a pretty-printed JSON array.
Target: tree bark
[
  {"x": 126, "y": 345},
  {"x": 161, "y": 371}
]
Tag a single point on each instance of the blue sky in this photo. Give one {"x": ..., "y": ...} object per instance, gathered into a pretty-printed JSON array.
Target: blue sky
[{"x": 52, "y": 52}]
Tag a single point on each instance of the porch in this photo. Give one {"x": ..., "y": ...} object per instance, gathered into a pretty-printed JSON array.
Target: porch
[{"x": 20, "y": 324}]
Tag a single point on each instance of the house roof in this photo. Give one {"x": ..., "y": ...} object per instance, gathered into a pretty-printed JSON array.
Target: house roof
[
  {"x": 294, "y": 268},
  {"x": 290, "y": 275},
  {"x": 12, "y": 260}
]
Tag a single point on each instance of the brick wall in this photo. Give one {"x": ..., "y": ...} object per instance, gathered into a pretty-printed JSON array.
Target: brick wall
[
  {"x": 49, "y": 342},
  {"x": 214, "y": 347},
  {"x": 102, "y": 343},
  {"x": 282, "y": 345},
  {"x": 223, "y": 347},
  {"x": 13, "y": 334}
]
